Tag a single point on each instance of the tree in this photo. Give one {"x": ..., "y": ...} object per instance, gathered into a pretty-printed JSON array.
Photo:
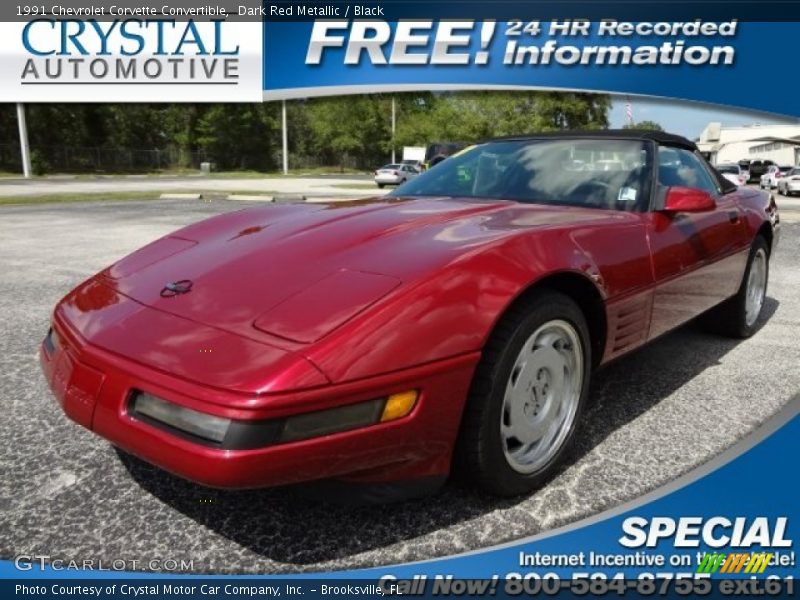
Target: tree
[
  {"x": 240, "y": 136},
  {"x": 9, "y": 149},
  {"x": 644, "y": 125},
  {"x": 473, "y": 116},
  {"x": 414, "y": 119},
  {"x": 349, "y": 129},
  {"x": 342, "y": 130}
]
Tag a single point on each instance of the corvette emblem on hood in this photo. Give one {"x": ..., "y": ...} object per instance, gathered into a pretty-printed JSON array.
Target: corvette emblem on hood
[{"x": 184, "y": 286}]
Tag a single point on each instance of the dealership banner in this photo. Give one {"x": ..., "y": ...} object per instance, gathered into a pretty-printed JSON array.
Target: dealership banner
[
  {"x": 728, "y": 527},
  {"x": 139, "y": 52},
  {"x": 716, "y": 62}
]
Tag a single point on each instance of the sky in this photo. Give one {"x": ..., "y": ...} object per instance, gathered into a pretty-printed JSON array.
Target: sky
[{"x": 685, "y": 118}]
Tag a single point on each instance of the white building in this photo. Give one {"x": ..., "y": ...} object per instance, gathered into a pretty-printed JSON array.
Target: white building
[{"x": 779, "y": 143}]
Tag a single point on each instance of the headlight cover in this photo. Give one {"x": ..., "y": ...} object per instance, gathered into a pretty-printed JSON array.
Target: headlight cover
[
  {"x": 231, "y": 434},
  {"x": 192, "y": 422}
]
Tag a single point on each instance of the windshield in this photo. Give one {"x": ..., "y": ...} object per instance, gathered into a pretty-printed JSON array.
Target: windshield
[
  {"x": 597, "y": 173},
  {"x": 724, "y": 169}
]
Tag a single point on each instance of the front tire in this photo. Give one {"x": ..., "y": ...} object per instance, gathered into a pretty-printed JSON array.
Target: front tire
[
  {"x": 527, "y": 396},
  {"x": 738, "y": 316}
]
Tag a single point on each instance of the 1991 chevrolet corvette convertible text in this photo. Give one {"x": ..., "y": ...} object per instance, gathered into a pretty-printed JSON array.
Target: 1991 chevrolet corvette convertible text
[{"x": 454, "y": 321}]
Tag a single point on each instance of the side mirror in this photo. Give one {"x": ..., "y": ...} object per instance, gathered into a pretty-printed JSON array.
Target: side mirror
[{"x": 685, "y": 199}]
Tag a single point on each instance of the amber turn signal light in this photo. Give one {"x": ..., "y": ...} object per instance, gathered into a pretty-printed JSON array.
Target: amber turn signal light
[{"x": 399, "y": 405}]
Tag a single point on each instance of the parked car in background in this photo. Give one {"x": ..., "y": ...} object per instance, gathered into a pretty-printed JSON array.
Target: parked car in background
[
  {"x": 733, "y": 173},
  {"x": 769, "y": 180},
  {"x": 789, "y": 184},
  {"x": 438, "y": 151},
  {"x": 744, "y": 166},
  {"x": 756, "y": 168},
  {"x": 417, "y": 164},
  {"x": 414, "y": 155},
  {"x": 395, "y": 174}
]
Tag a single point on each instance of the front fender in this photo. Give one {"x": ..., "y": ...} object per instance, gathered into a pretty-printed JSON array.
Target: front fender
[{"x": 453, "y": 310}]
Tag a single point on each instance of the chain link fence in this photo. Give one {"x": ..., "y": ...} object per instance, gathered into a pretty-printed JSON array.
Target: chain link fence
[
  {"x": 10, "y": 158},
  {"x": 96, "y": 159},
  {"x": 72, "y": 159},
  {"x": 300, "y": 162}
]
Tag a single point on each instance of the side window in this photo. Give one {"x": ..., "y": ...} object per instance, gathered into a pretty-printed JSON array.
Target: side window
[{"x": 679, "y": 167}]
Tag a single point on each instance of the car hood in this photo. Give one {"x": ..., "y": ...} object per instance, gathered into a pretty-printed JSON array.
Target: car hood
[{"x": 297, "y": 271}]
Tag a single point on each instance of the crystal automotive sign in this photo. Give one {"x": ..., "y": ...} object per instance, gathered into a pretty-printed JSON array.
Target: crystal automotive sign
[{"x": 187, "y": 60}]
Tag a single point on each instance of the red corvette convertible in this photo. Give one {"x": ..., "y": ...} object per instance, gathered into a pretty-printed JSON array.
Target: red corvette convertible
[{"x": 455, "y": 321}]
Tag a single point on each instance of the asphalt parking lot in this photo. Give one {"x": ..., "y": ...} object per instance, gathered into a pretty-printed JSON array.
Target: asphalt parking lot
[{"x": 67, "y": 494}]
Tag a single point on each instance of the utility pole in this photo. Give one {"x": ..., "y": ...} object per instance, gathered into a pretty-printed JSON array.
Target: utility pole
[
  {"x": 285, "y": 139},
  {"x": 394, "y": 127},
  {"x": 23, "y": 141}
]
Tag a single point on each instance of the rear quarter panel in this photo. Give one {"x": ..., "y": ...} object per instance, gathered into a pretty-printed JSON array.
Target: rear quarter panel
[{"x": 757, "y": 207}]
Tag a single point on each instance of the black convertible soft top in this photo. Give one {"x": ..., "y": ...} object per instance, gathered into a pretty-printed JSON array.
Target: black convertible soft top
[{"x": 633, "y": 134}]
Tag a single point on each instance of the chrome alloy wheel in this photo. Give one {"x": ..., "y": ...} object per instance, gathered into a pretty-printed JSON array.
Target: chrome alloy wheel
[
  {"x": 542, "y": 396},
  {"x": 756, "y": 287}
]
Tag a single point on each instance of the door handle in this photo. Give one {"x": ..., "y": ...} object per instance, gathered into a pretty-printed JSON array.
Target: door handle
[{"x": 733, "y": 217}]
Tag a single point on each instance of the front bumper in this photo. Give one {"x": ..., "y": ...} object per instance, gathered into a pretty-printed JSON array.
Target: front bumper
[{"x": 94, "y": 387}]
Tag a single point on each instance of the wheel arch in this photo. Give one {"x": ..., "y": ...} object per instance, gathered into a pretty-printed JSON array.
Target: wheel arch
[
  {"x": 766, "y": 232},
  {"x": 583, "y": 292}
]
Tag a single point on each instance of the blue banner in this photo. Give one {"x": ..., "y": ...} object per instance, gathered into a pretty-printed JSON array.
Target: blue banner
[
  {"x": 713, "y": 62},
  {"x": 703, "y": 527}
]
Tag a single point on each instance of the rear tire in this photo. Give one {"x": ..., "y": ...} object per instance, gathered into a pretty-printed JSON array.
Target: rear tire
[
  {"x": 738, "y": 316},
  {"x": 380, "y": 185},
  {"x": 527, "y": 396}
]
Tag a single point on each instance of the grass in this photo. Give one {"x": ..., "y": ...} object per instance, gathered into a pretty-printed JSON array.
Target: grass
[
  {"x": 333, "y": 171},
  {"x": 60, "y": 198},
  {"x": 118, "y": 196},
  {"x": 355, "y": 186},
  {"x": 260, "y": 174},
  {"x": 245, "y": 174}
]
